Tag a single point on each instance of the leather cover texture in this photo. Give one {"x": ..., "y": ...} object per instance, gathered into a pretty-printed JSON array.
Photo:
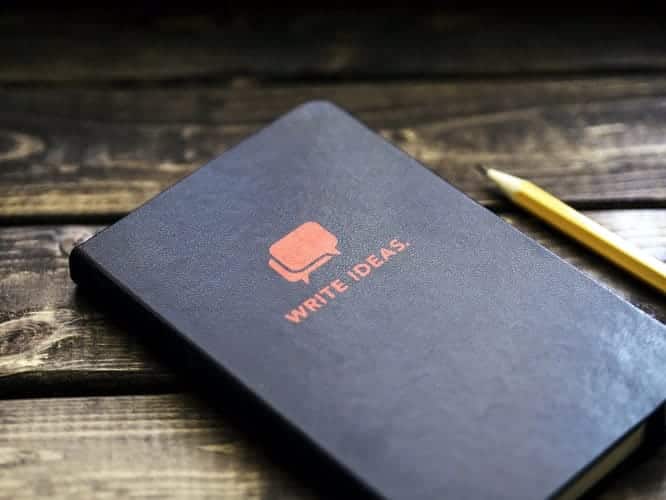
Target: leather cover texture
[{"x": 426, "y": 346}]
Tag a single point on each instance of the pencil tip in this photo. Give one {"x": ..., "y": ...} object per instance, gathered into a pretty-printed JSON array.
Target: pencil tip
[{"x": 481, "y": 169}]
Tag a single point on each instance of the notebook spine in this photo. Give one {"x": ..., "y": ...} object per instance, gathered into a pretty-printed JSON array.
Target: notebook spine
[
  {"x": 81, "y": 269},
  {"x": 85, "y": 273}
]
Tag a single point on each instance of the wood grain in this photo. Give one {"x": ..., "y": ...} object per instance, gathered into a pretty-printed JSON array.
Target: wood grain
[
  {"x": 167, "y": 447},
  {"x": 287, "y": 43},
  {"x": 53, "y": 341},
  {"x": 73, "y": 153},
  {"x": 175, "y": 446}
]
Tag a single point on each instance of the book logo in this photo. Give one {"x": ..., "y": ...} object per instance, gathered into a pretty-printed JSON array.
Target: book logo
[{"x": 301, "y": 251}]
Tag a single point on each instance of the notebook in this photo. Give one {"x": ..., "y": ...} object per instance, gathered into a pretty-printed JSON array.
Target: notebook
[{"x": 413, "y": 337}]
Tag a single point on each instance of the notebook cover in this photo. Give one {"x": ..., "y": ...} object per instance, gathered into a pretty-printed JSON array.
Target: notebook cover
[{"x": 414, "y": 337}]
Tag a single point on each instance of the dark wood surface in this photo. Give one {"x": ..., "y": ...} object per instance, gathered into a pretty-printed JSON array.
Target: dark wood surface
[
  {"x": 283, "y": 43},
  {"x": 95, "y": 119},
  {"x": 159, "y": 446},
  {"x": 81, "y": 152}
]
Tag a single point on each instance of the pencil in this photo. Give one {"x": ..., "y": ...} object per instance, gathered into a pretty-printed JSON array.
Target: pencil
[{"x": 581, "y": 228}]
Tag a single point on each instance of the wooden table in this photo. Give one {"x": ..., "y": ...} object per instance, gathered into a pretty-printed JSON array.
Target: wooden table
[{"x": 97, "y": 118}]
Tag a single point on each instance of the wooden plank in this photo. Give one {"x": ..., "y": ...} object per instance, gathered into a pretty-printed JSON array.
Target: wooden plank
[
  {"x": 176, "y": 446},
  {"x": 73, "y": 153},
  {"x": 163, "y": 447},
  {"x": 284, "y": 43},
  {"x": 53, "y": 341}
]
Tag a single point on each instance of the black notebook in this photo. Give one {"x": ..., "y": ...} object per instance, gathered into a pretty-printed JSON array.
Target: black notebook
[{"x": 413, "y": 337}]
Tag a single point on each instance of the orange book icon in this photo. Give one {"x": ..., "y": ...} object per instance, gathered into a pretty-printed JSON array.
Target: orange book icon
[{"x": 306, "y": 248}]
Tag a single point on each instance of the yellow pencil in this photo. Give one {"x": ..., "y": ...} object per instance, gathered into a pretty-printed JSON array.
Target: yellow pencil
[{"x": 581, "y": 228}]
